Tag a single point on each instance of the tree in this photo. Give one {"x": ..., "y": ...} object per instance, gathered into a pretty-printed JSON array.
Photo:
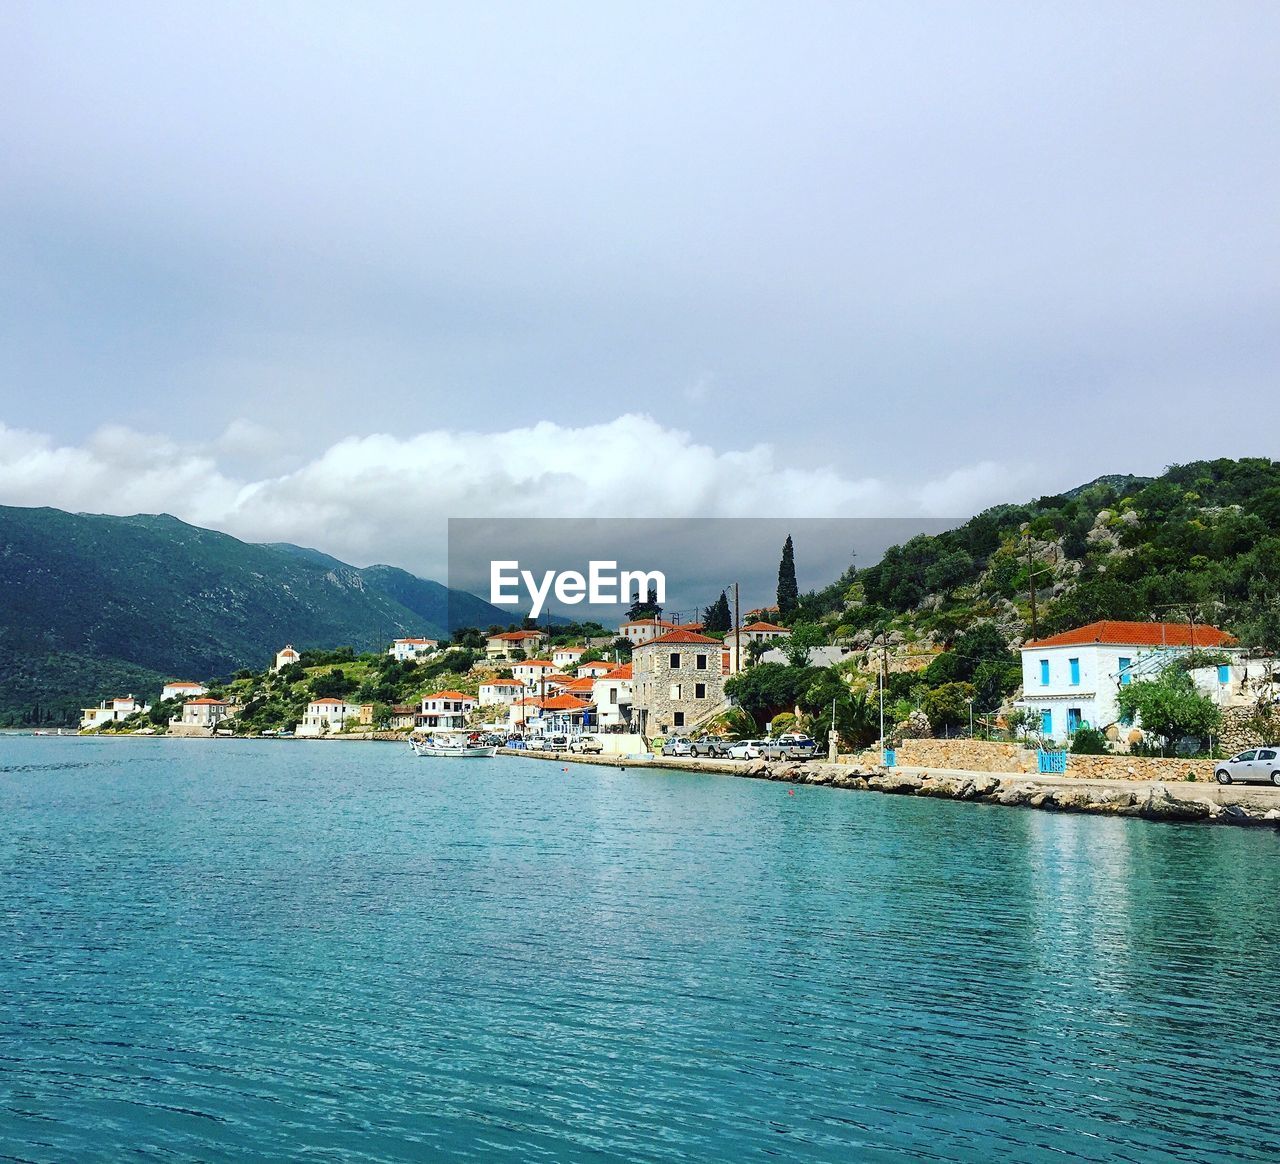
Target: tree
[
  {"x": 1170, "y": 707},
  {"x": 648, "y": 608},
  {"x": 948, "y": 706},
  {"x": 788, "y": 591},
  {"x": 717, "y": 616},
  {"x": 803, "y": 638},
  {"x": 769, "y": 688}
]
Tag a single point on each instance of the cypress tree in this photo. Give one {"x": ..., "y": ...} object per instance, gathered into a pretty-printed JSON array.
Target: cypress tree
[
  {"x": 717, "y": 617},
  {"x": 788, "y": 591}
]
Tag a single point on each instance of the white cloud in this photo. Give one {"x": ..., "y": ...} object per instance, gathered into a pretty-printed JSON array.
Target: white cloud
[{"x": 386, "y": 498}]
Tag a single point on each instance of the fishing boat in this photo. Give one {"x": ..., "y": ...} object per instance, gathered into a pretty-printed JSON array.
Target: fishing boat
[{"x": 462, "y": 745}]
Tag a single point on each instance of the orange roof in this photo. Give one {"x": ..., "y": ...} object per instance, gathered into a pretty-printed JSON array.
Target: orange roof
[
  {"x": 517, "y": 635},
  {"x": 217, "y": 702},
  {"x": 765, "y": 626},
  {"x": 599, "y": 664},
  {"x": 535, "y": 663},
  {"x": 447, "y": 695},
  {"x": 566, "y": 650},
  {"x": 564, "y": 703},
  {"x": 1137, "y": 634},
  {"x": 327, "y": 699},
  {"x": 622, "y": 672},
  {"x": 182, "y": 683},
  {"x": 414, "y": 640},
  {"x": 650, "y": 622},
  {"x": 504, "y": 683},
  {"x": 677, "y": 637},
  {"x": 583, "y": 684}
]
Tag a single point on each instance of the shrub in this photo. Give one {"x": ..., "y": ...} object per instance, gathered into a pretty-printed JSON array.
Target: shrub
[{"x": 1088, "y": 741}]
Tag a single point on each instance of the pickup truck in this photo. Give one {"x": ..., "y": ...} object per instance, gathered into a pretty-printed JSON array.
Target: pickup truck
[
  {"x": 586, "y": 745},
  {"x": 789, "y": 747}
]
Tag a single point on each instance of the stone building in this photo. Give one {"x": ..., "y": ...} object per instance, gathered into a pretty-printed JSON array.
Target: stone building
[{"x": 677, "y": 680}]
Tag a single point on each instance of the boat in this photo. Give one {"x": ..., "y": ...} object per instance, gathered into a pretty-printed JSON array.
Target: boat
[{"x": 461, "y": 745}]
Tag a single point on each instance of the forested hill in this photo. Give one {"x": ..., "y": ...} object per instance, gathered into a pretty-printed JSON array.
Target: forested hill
[
  {"x": 1201, "y": 540},
  {"x": 94, "y": 606}
]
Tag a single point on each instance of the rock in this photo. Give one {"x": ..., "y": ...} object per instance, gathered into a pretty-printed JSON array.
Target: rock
[
  {"x": 1045, "y": 799},
  {"x": 1017, "y": 794},
  {"x": 983, "y": 785},
  {"x": 757, "y": 768},
  {"x": 942, "y": 786},
  {"x": 1113, "y": 802},
  {"x": 1161, "y": 804},
  {"x": 895, "y": 783},
  {"x": 1271, "y": 814}
]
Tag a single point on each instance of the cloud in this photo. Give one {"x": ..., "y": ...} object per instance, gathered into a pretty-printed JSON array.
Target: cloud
[{"x": 387, "y": 498}]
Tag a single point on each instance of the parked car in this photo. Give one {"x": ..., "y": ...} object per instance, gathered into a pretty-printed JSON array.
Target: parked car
[
  {"x": 790, "y": 747},
  {"x": 586, "y": 745},
  {"x": 709, "y": 746},
  {"x": 746, "y": 750},
  {"x": 555, "y": 743},
  {"x": 1256, "y": 764},
  {"x": 678, "y": 746}
]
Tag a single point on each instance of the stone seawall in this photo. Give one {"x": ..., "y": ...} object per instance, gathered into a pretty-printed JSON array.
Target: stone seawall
[
  {"x": 1153, "y": 800},
  {"x": 991, "y": 756}
]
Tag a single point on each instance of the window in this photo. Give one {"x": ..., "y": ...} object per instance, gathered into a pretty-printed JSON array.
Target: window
[
  {"x": 678, "y": 719},
  {"x": 1125, "y": 664},
  {"x": 1246, "y": 755},
  {"x": 1074, "y": 664},
  {"x": 675, "y": 693},
  {"x": 675, "y": 660},
  {"x": 1044, "y": 672},
  {"x": 699, "y": 691},
  {"x": 613, "y": 695},
  {"x": 1074, "y": 720},
  {"x": 1266, "y": 754},
  {"x": 700, "y": 662},
  {"x": 1224, "y": 673},
  {"x": 1046, "y": 721}
]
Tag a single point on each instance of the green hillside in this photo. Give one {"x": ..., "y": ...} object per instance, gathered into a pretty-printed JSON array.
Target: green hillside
[{"x": 96, "y": 605}]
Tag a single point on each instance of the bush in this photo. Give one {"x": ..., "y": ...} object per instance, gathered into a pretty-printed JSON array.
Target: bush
[{"x": 1088, "y": 741}]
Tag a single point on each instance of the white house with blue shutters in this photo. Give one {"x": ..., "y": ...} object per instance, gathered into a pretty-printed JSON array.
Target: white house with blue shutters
[{"x": 1074, "y": 678}]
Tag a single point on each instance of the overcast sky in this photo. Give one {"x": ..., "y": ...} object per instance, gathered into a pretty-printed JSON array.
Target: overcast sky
[{"x": 333, "y": 273}]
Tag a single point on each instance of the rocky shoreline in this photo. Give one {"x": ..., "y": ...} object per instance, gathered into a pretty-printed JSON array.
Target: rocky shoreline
[{"x": 1210, "y": 804}]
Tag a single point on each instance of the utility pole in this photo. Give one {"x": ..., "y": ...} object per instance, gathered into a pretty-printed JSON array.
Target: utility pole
[{"x": 1031, "y": 581}]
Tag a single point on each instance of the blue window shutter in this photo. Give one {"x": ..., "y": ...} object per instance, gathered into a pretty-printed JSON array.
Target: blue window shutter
[
  {"x": 1125, "y": 664},
  {"x": 1046, "y": 721},
  {"x": 1224, "y": 673},
  {"x": 1044, "y": 672},
  {"x": 1075, "y": 672}
]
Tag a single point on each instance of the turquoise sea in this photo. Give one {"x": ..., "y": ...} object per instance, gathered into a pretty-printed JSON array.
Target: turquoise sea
[{"x": 226, "y": 950}]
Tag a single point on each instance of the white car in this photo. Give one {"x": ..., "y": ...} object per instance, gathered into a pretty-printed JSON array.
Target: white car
[
  {"x": 1256, "y": 764},
  {"x": 746, "y": 750}
]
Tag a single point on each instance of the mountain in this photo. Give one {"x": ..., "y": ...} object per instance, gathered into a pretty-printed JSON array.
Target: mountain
[{"x": 96, "y": 605}]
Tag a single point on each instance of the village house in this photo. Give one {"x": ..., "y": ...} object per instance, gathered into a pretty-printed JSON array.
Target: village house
[
  {"x": 565, "y": 715},
  {"x": 677, "y": 681},
  {"x": 182, "y": 689},
  {"x": 594, "y": 669},
  {"x": 411, "y": 650},
  {"x": 328, "y": 715},
  {"x": 645, "y": 630},
  {"x": 204, "y": 712},
  {"x": 530, "y": 672},
  {"x": 286, "y": 656},
  {"x": 110, "y": 711},
  {"x": 611, "y": 693},
  {"x": 1074, "y": 678},
  {"x": 515, "y": 644},
  {"x": 402, "y": 716},
  {"x": 567, "y": 656},
  {"x": 1239, "y": 682},
  {"x": 500, "y": 691},
  {"x": 444, "y": 710}
]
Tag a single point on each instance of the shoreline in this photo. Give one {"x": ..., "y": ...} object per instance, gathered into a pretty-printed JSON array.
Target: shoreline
[{"x": 1230, "y": 804}]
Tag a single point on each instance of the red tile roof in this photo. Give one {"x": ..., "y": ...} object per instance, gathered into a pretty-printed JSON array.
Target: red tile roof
[
  {"x": 564, "y": 703},
  {"x": 447, "y": 695},
  {"x": 327, "y": 699},
  {"x": 583, "y": 684},
  {"x": 1137, "y": 634},
  {"x": 650, "y": 622},
  {"x": 677, "y": 637},
  {"x": 535, "y": 663},
  {"x": 765, "y": 626},
  {"x": 515, "y": 636},
  {"x": 623, "y": 672},
  {"x": 215, "y": 702}
]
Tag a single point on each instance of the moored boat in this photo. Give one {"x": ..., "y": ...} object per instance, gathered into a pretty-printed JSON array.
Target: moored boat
[{"x": 463, "y": 745}]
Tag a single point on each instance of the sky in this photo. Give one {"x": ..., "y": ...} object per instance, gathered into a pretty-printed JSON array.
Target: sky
[{"x": 334, "y": 273}]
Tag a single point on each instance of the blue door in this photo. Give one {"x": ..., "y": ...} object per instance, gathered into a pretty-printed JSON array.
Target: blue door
[
  {"x": 1073, "y": 720},
  {"x": 1046, "y": 721}
]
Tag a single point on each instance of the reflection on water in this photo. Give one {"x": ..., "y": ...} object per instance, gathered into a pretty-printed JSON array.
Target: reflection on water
[{"x": 227, "y": 949}]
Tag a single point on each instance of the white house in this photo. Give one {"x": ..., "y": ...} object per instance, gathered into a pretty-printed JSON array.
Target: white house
[
  {"x": 1240, "y": 682},
  {"x": 500, "y": 691},
  {"x": 595, "y": 669},
  {"x": 530, "y": 671},
  {"x": 645, "y": 630},
  {"x": 566, "y": 657},
  {"x": 327, "y": 715},
  {"x": 612, "y": 695},
  {"x": 204, "y": 712},
  {"x": 1074, "y": 678},
  {"x": 285, "y": 656},
  {"x": 411, "y": 649},
  {"x": 110, "y": 711},
  {"x": 444, "y": 709},
  {"x": 182, "y": 689},
  {"x": 510, "y": 643}
]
